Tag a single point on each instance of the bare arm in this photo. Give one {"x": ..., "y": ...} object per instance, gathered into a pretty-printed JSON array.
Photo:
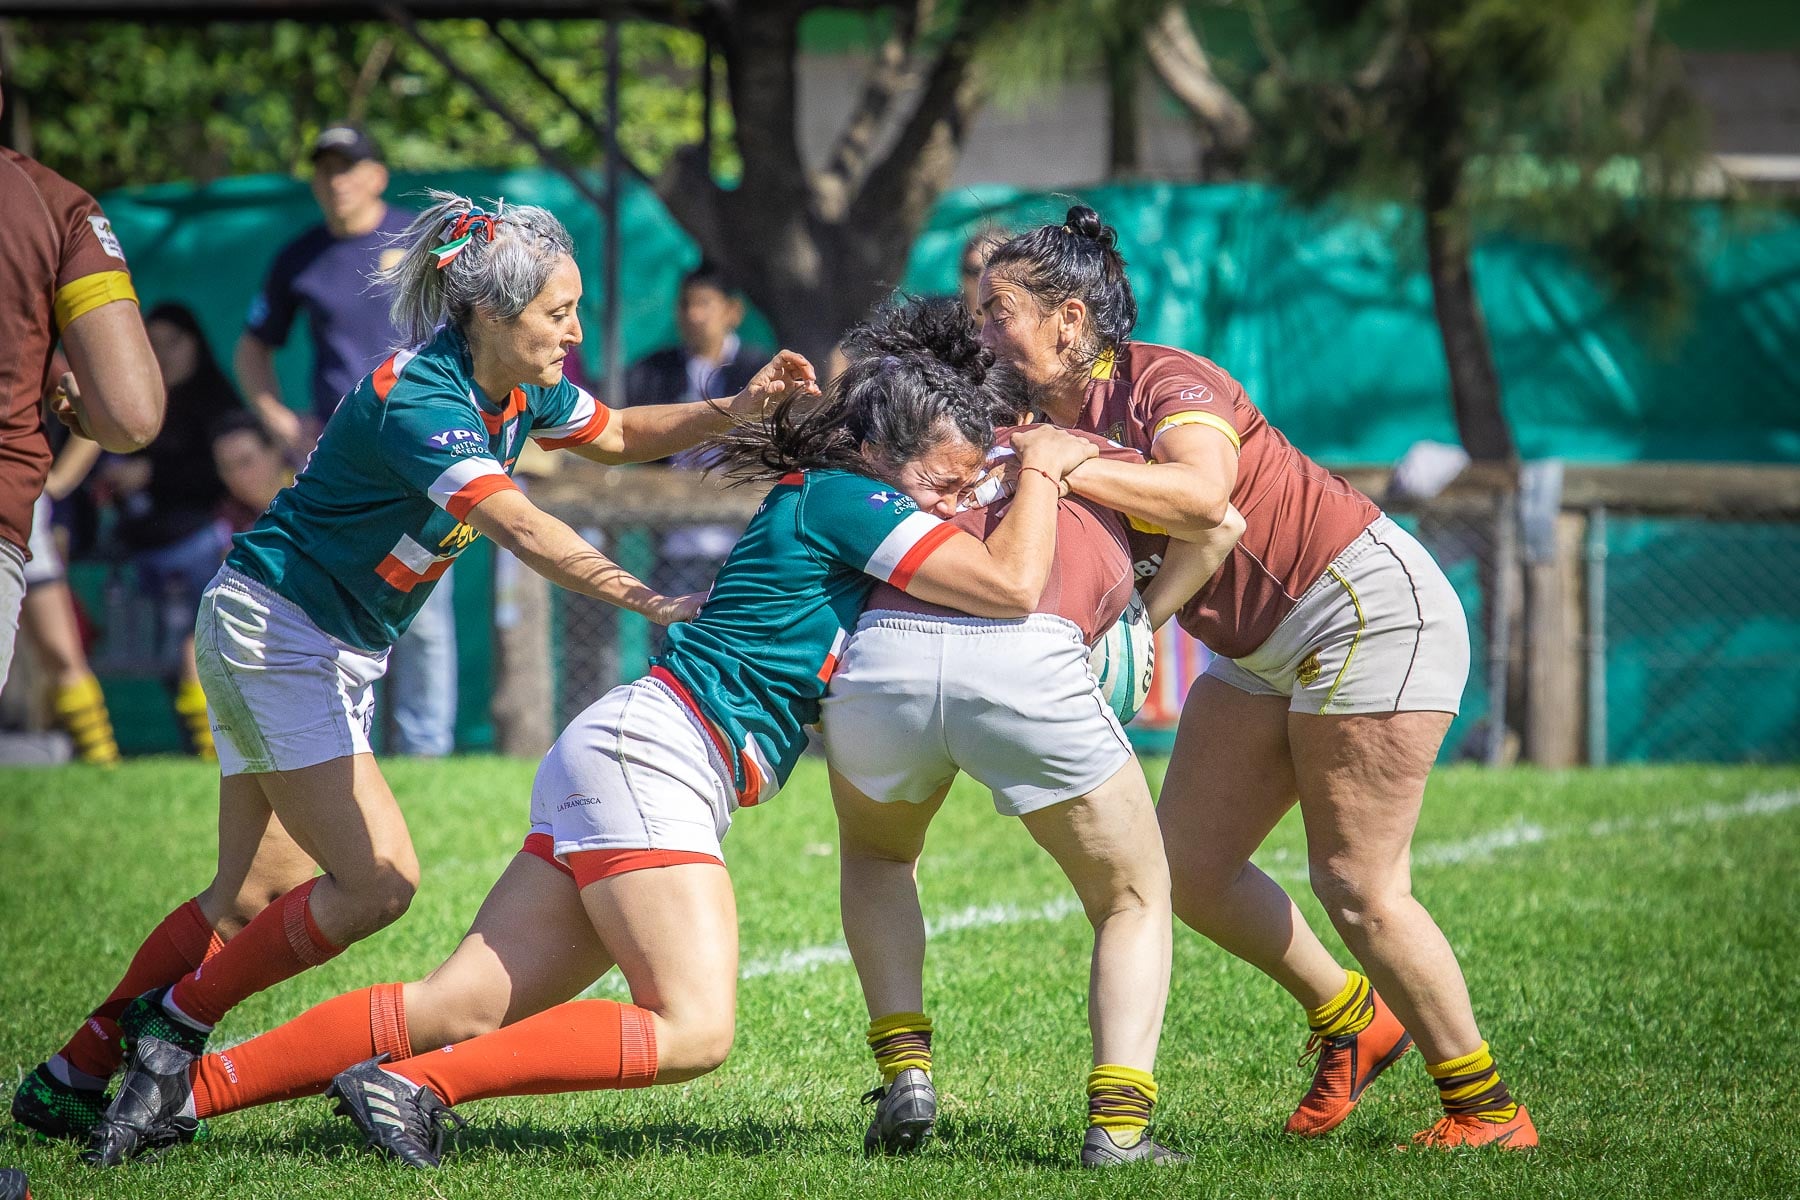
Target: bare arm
[
  {"x": 558, "y": 553},
  {"x": 645, "y": 433},
  {"x": 1188, "y": 565},
  {"x": 71, "y": 467},
  {"x": 1004, "y": 576},
  {"x": 255, "y": 365},
  {"x": 118, "y": 400},
  {"x": 1186, "y": 489}
]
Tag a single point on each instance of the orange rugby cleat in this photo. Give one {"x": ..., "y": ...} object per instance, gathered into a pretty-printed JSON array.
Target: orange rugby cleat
[
  {"x": 1347, "y": 1065},
  {"x": 1452, "y": 1133}
]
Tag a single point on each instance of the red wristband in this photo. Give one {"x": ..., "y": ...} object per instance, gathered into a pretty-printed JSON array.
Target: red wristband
[{"x": 1062, "y": 488}]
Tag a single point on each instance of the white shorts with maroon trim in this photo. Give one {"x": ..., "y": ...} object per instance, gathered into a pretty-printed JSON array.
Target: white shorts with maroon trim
[
  {"x": 1380, "y": 631},
  {"x": 281, "y": 693},
  {"x": 919, "y": 697},
  {"x": 635, "y": 771},
  {"x": 46, "y": 565}
]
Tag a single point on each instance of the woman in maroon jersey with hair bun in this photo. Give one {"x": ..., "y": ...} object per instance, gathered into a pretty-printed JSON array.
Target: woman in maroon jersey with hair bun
[{"x": 1342, "y": 652}]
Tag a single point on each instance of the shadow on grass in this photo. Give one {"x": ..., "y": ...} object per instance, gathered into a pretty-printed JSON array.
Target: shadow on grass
[{"x": 957, "y": 1140}]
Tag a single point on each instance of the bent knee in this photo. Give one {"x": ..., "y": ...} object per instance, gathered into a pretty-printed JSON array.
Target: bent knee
[
  {"x": 1358, "y": 901},
  {"x": 693, "y": 1045}
]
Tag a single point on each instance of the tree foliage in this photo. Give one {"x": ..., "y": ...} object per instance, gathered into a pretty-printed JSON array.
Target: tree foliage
[{"x": 116, "y": 104}]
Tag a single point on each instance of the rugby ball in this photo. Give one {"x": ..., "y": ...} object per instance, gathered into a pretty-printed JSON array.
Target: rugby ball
[{"x": 1123, "y": 661}]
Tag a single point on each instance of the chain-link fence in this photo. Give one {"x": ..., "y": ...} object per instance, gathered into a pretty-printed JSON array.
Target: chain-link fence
[{"x": 1615, "y": 614}]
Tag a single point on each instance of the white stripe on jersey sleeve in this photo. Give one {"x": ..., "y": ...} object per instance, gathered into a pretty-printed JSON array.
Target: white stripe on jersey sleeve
[
  {"x": 583, "y": 412},
  {"x": 894, "y": 547},
  {"x": 459, "y": 475},
  {"x": 412, "y": 556}
]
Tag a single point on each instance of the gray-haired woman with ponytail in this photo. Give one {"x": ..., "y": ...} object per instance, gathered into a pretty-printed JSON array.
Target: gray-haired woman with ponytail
[{"x": 295, "y": 629}]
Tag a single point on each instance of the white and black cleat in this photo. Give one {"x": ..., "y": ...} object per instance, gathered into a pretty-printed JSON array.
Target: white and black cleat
[
  {"x": 154, "y": 1107},
  {"x": 905, "y": 1112},
  {"x": 1099, "y": 1149},
  {"x": 397, "y": 1117}
]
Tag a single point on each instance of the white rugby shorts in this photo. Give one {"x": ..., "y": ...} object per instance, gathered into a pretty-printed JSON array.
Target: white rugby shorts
[
  {"x": 46, "y": 565},
  {"x": 281, "y": 693},
  {"x": 917, "y": 698},
  {"x": 1380, "y": 631},
  {"x": 637, "y": 770}
]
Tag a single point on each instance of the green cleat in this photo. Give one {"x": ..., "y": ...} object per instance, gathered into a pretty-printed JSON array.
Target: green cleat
[
  {"x": 145, "y": 1017},
  {"x": 53, "y": 1109}
]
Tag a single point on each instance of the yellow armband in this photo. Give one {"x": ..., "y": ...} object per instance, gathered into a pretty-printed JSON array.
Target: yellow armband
[{"x": 84, "y": 295}]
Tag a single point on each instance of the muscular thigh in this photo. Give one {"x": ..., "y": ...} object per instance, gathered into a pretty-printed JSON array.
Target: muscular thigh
[
  {"x": 1361, "y": 781},
  {"x": 673, "y": 932},
  {"x": 1230, "y": 777},
  {"x": 531, "y": 946}
]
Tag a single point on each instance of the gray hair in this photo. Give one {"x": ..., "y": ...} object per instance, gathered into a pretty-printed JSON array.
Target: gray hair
[{"x": 498, "y": 277}]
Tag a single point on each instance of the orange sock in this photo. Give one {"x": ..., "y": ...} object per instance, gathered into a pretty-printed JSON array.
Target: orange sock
[
  {"x": 581, "y": 1046},
  {"x": 183, "y": 941},
  {"x": 300, "y": 1057},
  {"x": 281, "y": 942}
]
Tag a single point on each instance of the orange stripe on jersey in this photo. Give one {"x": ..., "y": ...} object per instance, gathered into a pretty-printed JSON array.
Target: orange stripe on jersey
[
  {"x": 594, "y": 428},
  {"x": 385, "y": 378},
  {"x": 515, "y": 404},
  {"x": 913, "y": 559},
  {"x": 403, "y": 578},
  {"x": 475, "y": 491}
]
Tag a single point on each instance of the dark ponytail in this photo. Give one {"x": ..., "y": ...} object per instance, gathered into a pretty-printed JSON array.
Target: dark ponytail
[
  {"x": 917, "y": 376},
  {"x": 1078, "y": 260}
]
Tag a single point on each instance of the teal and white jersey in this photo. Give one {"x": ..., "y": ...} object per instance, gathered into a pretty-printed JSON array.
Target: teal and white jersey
[
  {"x": 755, "y": 662},
  {"x": 377, "y": 514}
]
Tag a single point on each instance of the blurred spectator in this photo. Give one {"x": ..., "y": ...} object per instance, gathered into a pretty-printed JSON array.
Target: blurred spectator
[
  {"x": 325, "y": 273},
  {"x": 709, "y": 363},
  {"x": 48, "y": 620},
  {"x": 969, "y": 267},
  {"x": 64, "y": 275},
  {"x": 168, "y": 498},
  {"x": 250, "y": 465}
]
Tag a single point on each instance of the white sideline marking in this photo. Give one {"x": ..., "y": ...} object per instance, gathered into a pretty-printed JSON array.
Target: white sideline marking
[{"x": 1480, "y": 847}]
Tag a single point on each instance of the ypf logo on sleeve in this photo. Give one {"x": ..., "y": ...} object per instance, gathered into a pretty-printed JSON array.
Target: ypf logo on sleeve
[
  {"x": 103, "y": 233},
  {"x": 459, "y": 441}
]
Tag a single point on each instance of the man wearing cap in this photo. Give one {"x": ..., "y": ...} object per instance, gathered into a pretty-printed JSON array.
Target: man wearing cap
[
  {"x": 62, "y": 276},
  {"x": 325, "y": 274}
]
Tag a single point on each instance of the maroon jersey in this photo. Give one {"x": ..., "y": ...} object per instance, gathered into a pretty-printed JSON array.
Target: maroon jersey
[
  {"x": 58, "y": 260},
  {"x": 1298, "y": 516},
  {"x": 1090, "y": 577}
]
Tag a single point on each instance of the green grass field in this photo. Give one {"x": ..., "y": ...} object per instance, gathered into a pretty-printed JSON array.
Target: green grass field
[{"x": 1631, "y": 937}]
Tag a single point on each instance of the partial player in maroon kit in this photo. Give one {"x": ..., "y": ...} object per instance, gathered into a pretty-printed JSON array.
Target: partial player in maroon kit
[{"x": 1342, "y": 655}]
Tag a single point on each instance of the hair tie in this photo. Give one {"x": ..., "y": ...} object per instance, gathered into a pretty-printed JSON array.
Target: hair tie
[{"x": 461, "y": 231}]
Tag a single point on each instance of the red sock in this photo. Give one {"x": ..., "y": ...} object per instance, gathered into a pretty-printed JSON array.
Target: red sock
[
  {"x": 300, "y": 1057},
  {"x": 581, "y": 1046},
  {"x": 281, "y": 942},
  {"x": 183, "y": 941}
]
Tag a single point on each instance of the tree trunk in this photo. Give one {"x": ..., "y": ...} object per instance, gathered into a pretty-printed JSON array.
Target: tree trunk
[
  {"x": 1474, "y": 382},
  {"x": 1124, "y": 119},
  {"x": 15, "y": 117}
]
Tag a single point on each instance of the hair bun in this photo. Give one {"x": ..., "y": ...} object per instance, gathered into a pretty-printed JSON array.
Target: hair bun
[{"x": 1083, "y": 221}]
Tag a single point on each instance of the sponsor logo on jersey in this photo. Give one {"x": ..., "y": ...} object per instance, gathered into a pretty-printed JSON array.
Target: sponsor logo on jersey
[
  {"x": 1309, "y": 671},
  {"x": 459, "y": 538},
  {"x": 1116, "y": 433},
  {"x": 109, "y": 241},
  {"x": 457, "y": 436},
  {"x": 1196, "y": 395},
  {"x": 901, "y": 501},
  {"x": 1146, "y": 568}
]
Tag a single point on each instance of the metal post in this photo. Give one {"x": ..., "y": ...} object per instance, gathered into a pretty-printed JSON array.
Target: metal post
[
  {"x": 612, "y": 339},
  {"x": 1595, "y": 592},
  {"x": 1499, "y": 604}
]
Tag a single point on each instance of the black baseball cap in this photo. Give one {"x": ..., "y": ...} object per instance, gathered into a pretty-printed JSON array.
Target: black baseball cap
[{"x": 346, "y": 140}]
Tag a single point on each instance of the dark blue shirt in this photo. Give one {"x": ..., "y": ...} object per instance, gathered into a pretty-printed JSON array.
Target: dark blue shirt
[{"x": 328, "y": 279}]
